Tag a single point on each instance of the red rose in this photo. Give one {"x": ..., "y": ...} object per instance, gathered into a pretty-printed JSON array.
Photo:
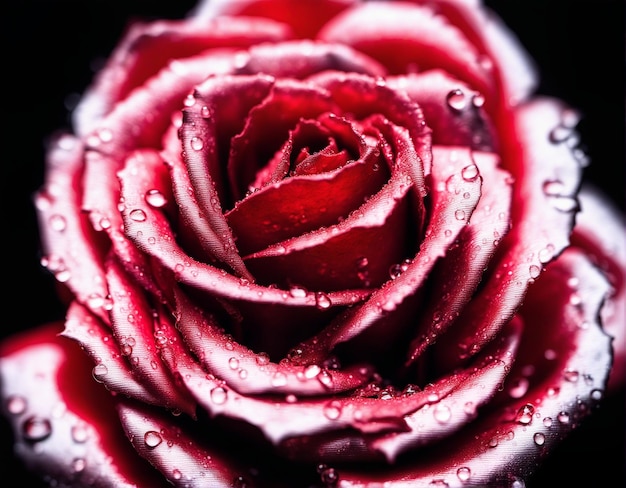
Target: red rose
[{"x": 317, "y": 243}]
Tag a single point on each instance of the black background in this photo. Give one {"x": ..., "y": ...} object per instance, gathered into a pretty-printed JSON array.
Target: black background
[{"x": 51, "y": 47}]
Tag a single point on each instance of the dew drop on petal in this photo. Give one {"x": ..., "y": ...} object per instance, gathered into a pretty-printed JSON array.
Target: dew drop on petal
[
  {"x": 35, "y": 429},
  {"x": 57, "y": 222},
  {"x": 99, "y": 371},
  {"x": 196, "y": 143},
  {"x": 137, "y": 215},
  {"x": 233, "y": 363},
  {"x": 219, "y": 395},
  {"x": 16, "y": 404},
  {"x": 79, "y": 433},
  {"x": 525, "y": 414},
  {"x": 463, "y": 473},
  {"x": 78, "y": 464},
  {"x": 322, "y": 301},
  {"x": 563, "y": 417},
  {"x": 152, "y": 439},
  {"x": 456, "y": 100},
  {"x": 442, "y": 413},
  {"x": 539, "y": 438},
  {"x": 470, "y": 172},
  {"x": 332, "y": 410},
  {"x": 155, "y": 198}
]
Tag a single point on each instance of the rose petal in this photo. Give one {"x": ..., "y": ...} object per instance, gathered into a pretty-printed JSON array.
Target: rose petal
[
  {"x": 248, "y": 372},
  {"x": 475, "y": 247},
  {"x": 257, "y": 224},
  {"x": 544, "y": 203},
  {"x": 72, "y": 251},
  {"x": 305, "y": 17},
  {"x": 454, "y": 198},
  {"x": 532, "y": 424},
  {"x": 133, "y": 325},
  {"x": 61, "y": 418},
  {"x": 329, "y": 259},
  {"x": 109, "y": 365},
  {"x": 267, "y": 126},
  {"x": 599, "y": 232},
  {"x": 182, "y": 459},
  {"x": 300, "y": 59},
  {"x": 405, "y": 38},
  {"x": 451, "y": 109},
  {"x": 148, "y": 47},
  {"x": 502, "y": 54}
]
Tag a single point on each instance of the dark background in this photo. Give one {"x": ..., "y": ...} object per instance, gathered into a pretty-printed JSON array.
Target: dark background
[{"x": 51, "y": 47}]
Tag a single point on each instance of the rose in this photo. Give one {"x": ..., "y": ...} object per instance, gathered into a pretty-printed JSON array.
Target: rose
[{"x": 552, "y": 277}]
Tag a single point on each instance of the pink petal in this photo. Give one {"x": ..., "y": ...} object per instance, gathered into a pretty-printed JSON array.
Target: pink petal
[
  {"x": 183, "y": 460},
  {"x": 408, "y": 38},
  {"x": 474, "y": 249},
  {"x": 248, "y": 372},
  {"x": 61, "y": 417},
  {"x": 305, "y": 17},
  {"x": 148, "y": 47},
  {"x": 544, "y": 203},
  {"x": 532, "y": 423},
  {"x": 600, "y": 234},
  {"x": 454, "y": 197},
  {"x": 73, "y": 252},
  {"x": 451, "y": 109}
]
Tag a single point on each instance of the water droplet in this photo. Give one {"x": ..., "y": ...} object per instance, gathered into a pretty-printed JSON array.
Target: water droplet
[
  {"x": 137, "y": 215},
  {"x": 478, "y": 100},
  {"x": 312, "y": 371},
  {"x": 152, "y": 439},
  {"x": 322, "y": 301},
  {"x": 559, "y": 134},
  {"x": 233, "y": 363},
  {"x": 279, "y": 379},
  {"x": 325, "y": 378},
  {"x": 596, "y": 394},
  {"x": 442, "y": 413},
  {"x": 176, "y": 474},
  {"x": 155, "y": 198},
  {"x": 563, "y": 417},
  {"x": 262, "y": 359},
  {"x": 205, "y": 112},
  {"x": 190, "y": 101},
  {"x": 57, "y": 223},
  {"x": 547, "y": 421},
  {"x": 297, "y": 291},
  {"x": 16, "y": 404},
  {"x": 219, "y": 395},
  {"x": 470, "y": 172},
  {"x": 459, "y": 214},
  {"x": 534, "y": 271},
  {"x": 332, "y": 410},
  {"x": 571, "y": 375},
  {"x": 525, "y": 414},
  {"x": 463, "y": 473},
  {"x": 456, "y": 100},
  {"x": 36, "y": 429},
  {"x": 99, "y": 371},
  {"x": 539, "y": 438},
  {"x": 518, "y": 388},
  {"x": 80, "y": 433},
  {"x": 196, "y": 143},
  {"x": 328, "y": 476}
]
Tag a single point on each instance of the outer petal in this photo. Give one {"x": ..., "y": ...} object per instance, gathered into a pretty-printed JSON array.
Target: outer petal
[
  {"x": 148, "y": 47},
  {"x": 305, "y": 17},
  {"x": 600, "y": 233},
  {"x": 61, "y": 417}
]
